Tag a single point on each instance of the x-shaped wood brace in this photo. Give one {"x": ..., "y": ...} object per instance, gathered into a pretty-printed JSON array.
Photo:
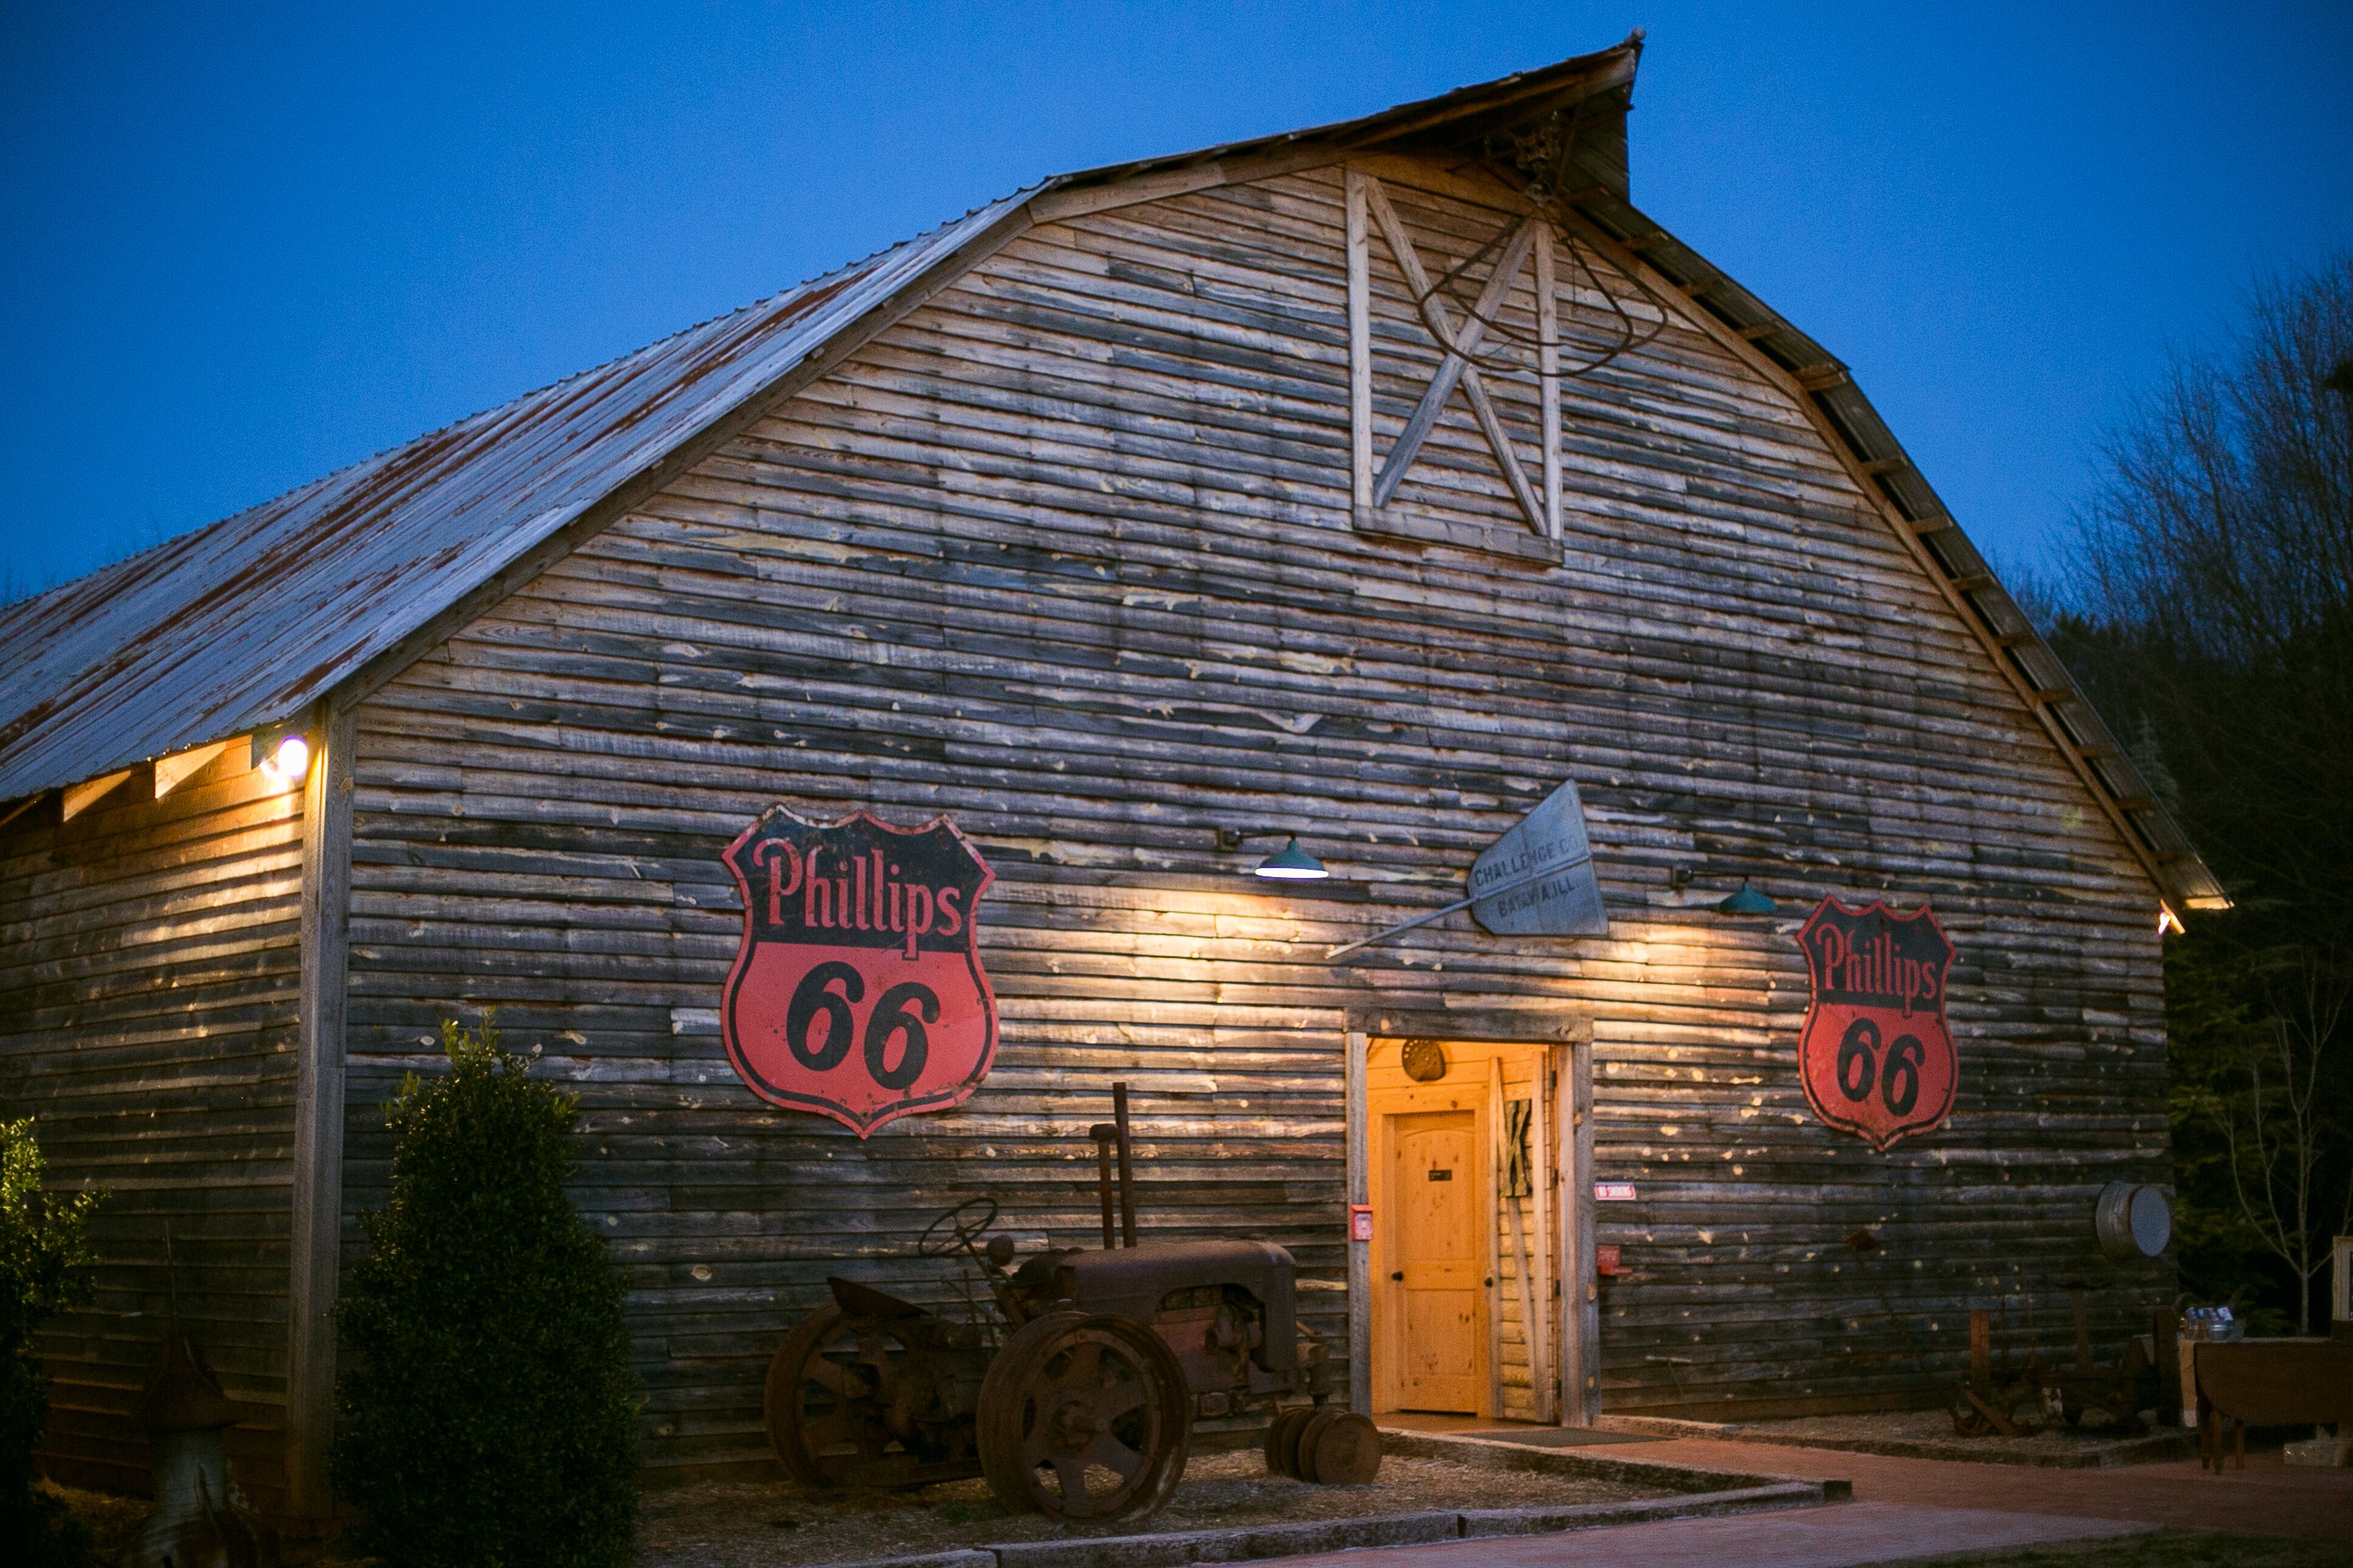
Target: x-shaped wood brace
[{"x": 1459, "y": 343}]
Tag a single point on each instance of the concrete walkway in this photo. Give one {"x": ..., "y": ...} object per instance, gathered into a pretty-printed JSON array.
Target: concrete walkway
[
  {"x": 1904, "y": 1508},
  {"x": 1844, "y": 1535},
  {"x": 2268, "y": 1497}
]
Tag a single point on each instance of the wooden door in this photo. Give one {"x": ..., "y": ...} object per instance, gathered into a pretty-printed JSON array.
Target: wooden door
[{"x": 1436, "y": 1284}]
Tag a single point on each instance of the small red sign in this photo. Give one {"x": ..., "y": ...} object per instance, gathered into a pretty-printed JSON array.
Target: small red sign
[
  {"x": 1605, "y": 1258},
  {"x": 1613, "y": 1191},
  {"x": 858, "y": 992},
  {"x": 1874, "y": 1056},
  {"x": 1360, "y": 1222}
]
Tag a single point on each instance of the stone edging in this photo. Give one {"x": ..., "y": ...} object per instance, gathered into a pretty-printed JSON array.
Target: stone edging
[
  {"x": 2107, "y": 1457},
  {"x": 1697, "y": 1493}
]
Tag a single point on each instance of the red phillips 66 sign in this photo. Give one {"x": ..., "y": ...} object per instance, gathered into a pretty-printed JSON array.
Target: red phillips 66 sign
[
  {"x": 1874, "y": 1056},
  {"x": 857, "y": 993}
]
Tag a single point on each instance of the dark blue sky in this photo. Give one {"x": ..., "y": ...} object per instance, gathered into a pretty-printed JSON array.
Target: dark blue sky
[{"x": 244, "y": 245}]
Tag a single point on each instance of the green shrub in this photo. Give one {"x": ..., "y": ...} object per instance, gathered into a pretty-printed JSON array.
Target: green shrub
[
  {"x": 45, "y": 1269},
  {"x": 487, "y": 1413}
]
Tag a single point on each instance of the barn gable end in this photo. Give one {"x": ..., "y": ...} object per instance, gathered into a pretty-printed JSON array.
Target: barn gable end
[{"x": 1069, "y": 554}]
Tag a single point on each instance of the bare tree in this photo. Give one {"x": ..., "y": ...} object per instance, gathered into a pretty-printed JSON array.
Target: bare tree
[
  {"x": 2209, "y": 607},
  {"x": 2218, "y": 556},
  {"x": 2281, "y": 1127}
]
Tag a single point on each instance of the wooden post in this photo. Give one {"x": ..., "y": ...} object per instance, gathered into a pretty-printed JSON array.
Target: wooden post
[
  {"x": 2166, "y": 1338},
  {"x": 318, "y": 1200},
  {"x": 1580, "y": 1352},
  {"x": 1491, "y": 1220},
  {"x": 1548, "y": 377},
  {"x": 1360, "y": 352},
  {"x": 1981, "y": 1354},
  {"x": 1543, "y": 1183},
  {"x": 1360, "y": 1253}
]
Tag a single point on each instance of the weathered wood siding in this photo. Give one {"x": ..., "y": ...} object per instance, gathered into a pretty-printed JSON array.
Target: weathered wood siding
[
  {"x": 148, "y": 973},
  {"x": 1068, "y": 554}
]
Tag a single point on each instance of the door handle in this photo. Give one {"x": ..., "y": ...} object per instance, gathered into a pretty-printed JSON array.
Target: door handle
[
  {"x": 1491, "y": 1282},
  {"x": 1399, "y": 1276}
]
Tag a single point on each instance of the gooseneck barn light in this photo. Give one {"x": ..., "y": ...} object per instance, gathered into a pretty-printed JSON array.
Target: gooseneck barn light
[
  {"x": 1746, "y": 901},
  {"x": 1290, "y": 863}
]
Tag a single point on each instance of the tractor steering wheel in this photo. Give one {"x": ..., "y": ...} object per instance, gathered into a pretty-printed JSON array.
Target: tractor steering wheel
[{"x": 960, "y": 1230}]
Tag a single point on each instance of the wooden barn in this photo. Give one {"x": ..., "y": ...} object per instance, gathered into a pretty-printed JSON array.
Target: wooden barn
[{"x": 1363, "y": 485}]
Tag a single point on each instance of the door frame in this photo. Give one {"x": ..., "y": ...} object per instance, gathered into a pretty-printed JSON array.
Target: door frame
[{"x": 1569, "y": 1035}]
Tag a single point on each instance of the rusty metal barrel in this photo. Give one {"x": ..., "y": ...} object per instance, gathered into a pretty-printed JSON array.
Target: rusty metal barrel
[{"x": 2133, "y": 1220}]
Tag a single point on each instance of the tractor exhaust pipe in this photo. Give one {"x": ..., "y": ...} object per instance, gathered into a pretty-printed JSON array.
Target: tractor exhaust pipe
[
  {"x": 1104, "y": 1134},
  {"x": 1108, "y": 1135},
  {"x": 1126, "y": 1166}
]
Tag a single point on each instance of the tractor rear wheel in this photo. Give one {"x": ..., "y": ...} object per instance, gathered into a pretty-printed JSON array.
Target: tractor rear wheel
[{"x": 830, "y": 1388}]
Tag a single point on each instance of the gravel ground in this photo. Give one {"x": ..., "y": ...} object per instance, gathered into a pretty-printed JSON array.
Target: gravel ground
[{"x": 764, "y": 1524}]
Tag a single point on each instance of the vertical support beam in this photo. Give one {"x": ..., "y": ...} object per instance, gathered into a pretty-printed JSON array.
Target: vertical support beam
[
  {"x": 1360, "y": 351},
  {"x": 317, "y": 1239},
  {"x": 1360, "y": 1253},
  {"x": 1548, "y": 377},
  {"x": 1543, "y": 1366},
  {"x": 1580, "y": 1313},
  {"x": 1492, "y": 1217}
]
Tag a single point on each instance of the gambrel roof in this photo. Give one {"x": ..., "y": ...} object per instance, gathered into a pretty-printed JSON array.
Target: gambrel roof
[{"x": 328, "y": 591}]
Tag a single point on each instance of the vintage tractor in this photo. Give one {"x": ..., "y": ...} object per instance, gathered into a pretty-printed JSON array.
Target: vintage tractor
[{"x": 1078, "y": 1403}]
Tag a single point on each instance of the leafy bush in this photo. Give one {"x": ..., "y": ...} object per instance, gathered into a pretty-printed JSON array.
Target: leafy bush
[
  {"x": 488, "y": 1417},
  {"x": 45, "y": 1269}
]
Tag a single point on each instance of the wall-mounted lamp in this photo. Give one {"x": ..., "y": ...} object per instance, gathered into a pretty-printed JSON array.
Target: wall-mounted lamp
[
  {"x": 1290, "y": 863},
  {"x": 1746, "y": 901},
  {"x": 283, "y": 754},
  {"x": 2167, "y": 921}
]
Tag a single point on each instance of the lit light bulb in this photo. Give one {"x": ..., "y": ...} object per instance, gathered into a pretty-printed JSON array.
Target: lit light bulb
[
  {"x": 290, "y": 761},
  {"x": 1291, "y": 864}
]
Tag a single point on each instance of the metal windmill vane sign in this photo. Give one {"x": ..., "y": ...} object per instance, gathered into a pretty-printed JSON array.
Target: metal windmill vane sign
[{"x": 1537, "y": 879}]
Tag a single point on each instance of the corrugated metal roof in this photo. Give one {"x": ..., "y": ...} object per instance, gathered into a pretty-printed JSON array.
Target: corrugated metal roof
[{"x": 246, "y": 623}]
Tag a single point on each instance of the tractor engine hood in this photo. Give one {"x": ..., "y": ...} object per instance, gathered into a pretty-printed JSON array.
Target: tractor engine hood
[{"x": 1132, "y": 1282}]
